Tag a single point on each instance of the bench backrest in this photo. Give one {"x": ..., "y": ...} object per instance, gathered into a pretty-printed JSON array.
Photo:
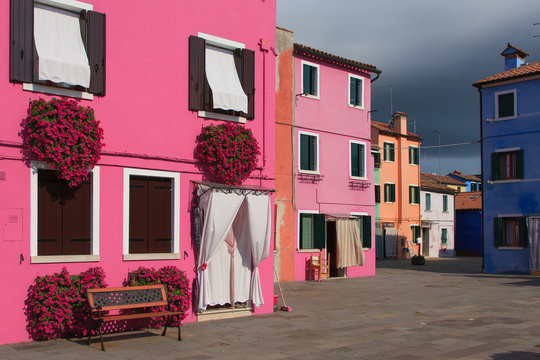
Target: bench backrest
[{"x": 127, "y": 297}]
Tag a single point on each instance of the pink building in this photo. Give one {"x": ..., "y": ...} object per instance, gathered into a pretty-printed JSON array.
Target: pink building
[
  {"x": 332, "y": 197},
  {"x": 155, "y": 73}
]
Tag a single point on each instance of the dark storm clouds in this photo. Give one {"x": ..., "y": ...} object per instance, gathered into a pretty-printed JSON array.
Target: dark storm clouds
[{"x": 430, "y": 52}]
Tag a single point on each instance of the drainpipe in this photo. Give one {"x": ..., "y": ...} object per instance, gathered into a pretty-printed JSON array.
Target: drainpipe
[
  {"x": 376, "y": 77},
  {"x": 482, "y": 177}
]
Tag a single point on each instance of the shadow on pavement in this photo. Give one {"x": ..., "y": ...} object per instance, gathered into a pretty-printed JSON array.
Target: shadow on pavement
[
  {"x": 519, "y": 280},
  {"x": 454, "y": 265},
  {"x": 516, "y": 355}
]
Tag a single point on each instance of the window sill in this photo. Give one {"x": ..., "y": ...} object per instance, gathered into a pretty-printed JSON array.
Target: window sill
[
  {"x": 308, "y": 250},
  {"x": 413, "y": 164},
  {"x": 505, "y": 118},
  {"x": 505, "y": 181},
  {"x": 358, "y": 107},
  {"x": 309, "y": 96},
  {"x": 388, "y": 161},
  {"x": 218, "y": 116},
  {"x": 156, "y": 256},
  {"x": 309, "y": 172},
  {"x": 389, "y": 202},
  {"x": 510, "y": 248},
  {"x": 57, "y": 91},
  {"x": 358, "y": 178},
  {"x": 50, "y": 259},
  {"x": 414, "y": 204}
]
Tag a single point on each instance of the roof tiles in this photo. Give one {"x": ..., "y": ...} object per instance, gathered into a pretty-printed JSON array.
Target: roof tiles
[
  {"x": 519, "y": 72},
  {"x": 469, "y": 200}
]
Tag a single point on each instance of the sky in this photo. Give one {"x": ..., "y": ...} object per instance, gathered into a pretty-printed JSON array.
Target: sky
[{"x": 430, "y": 53}]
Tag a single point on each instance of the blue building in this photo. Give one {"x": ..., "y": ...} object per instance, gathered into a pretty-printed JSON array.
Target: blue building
[
  {"x": 468, "y": 207},
  {"x": 473, "y": 182},
  {"x": 510, "y": 133}
]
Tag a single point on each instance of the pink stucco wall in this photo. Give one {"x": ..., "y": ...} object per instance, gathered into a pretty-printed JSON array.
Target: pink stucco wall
[
  {"x": 336, "y": 123},
  {"x": 145, "y": 111}
]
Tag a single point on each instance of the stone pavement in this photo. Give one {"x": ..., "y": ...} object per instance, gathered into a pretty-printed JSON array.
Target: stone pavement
[{"x": 446, "y": 309}]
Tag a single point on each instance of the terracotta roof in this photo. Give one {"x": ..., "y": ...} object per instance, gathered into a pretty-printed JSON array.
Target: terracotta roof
[
  {"x": 469, "y": 200},
  {"x": 442, "y": 179},
  {"x": 388, "y": 130},
  {"x": 519, "y": 72},
  {"x": 338, "y": 60},
  {"x": 430, "y": 185},
  {"x": 520, "y": 53},
  {"x": 466, "y": 177}
]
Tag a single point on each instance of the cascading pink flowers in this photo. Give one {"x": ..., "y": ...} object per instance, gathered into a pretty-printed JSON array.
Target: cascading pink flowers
[
  {"x": 229, "y": 150},
  {"x": 65, "y": 135}
]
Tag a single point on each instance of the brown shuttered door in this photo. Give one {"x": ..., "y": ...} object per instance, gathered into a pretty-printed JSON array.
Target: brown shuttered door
[
  {"x": 196, "y": 73},
  {"x": 49, "y": 214},
  {"x": 95, "y": 49},
  {"x": 159, "y": 215},
  {"x": 138, "y": 215},
  {"x": 21, "y": 39},
  {"x": 76, "y": 219},
  {"x": 248, "y": 80}
]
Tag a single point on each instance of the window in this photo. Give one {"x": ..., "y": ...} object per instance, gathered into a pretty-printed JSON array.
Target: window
[
  {"x": 474, "y": 186},
  {"x": 445, "y": 203},
  {"x": 310, "y": 79},
  {"x": 389, "y": 150},
  {"x": 221, "y": 78},
  {"x": 507, "y": 165},
  {"x": 414, "y": 155},
  {"x": 309, "y": 152},
  {"x": 357, "y": 156},
  {"x": 415, "y": 230},
  {"x": 356, "y": 91},
  {"x": 364, "y": 226},
  {"x": 376, "y": 159},
  {"x": 389, "y": 193},
  {"x": 414, "y": 194},
  {"x": 312, "y": 231},
  {"x": 505, "y": 104},
  {"x": 444, "y": 236},
  {"x": 151, "y": 208},
  {"x": 75, "y": 60},
  {"x": 65, "y": 220},
  {"x": 510, "y": 232},
  {"x": 428, "y": 201},
  {"x": 377, "y": 194}
]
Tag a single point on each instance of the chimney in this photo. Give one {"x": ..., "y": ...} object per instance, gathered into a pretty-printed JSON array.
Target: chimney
[
  {"x": 513, "y": 57},
  {"x": 399, "y": 122}
]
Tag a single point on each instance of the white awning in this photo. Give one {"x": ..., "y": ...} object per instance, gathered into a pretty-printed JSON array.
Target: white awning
[
  {"x": 224, "y": 81},
  {"x": 61, "y": 54}
]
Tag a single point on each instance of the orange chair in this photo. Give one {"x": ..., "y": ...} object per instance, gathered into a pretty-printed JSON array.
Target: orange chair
[{"x": 321, "y": 264}]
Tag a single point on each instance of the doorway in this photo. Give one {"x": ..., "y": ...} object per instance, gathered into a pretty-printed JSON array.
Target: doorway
[
  {"x": 425, "y": 241},
  {"x": 331, "y": 250}
]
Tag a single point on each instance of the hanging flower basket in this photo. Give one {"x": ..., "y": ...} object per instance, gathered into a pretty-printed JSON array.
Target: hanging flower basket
[
  {"x": 65, "y": 135},
  {"x": 229, "y": 151}
]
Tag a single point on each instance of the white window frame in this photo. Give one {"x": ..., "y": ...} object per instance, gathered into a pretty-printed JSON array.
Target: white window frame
[
  {"x": 384, "y": 150},
  {"x": 514, "y": 91},
  {"x": 350, "y": 160},
  {"x": 361, "y": 107},
  {"x": 415, "y": 147},
  {"x": 318, "y": 96},
  {"x": 384, "y": 192},
  {"x": 175, "y": 177},
  {"x": 76, "y": 7},
  {"x": 298, "y": 231},
  {"x": 419, "y": 194},
  {"x": 300, "y": 133},
  {"x": 35, "y": 258},
  {"x": 229, "y": 45}
]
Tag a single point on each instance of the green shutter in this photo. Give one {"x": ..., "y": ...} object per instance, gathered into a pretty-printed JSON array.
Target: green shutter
[
  {"x": 498, "y": 232},
  {"x": 411, "y": 155},
  {"x": 355, "y": 160},
  {"x": 366, "y": 227},
  {"x": 519, "y": 164},
  {"x": 417, "y": 156},
  {"x": 385, "y": 151},
  {"x": 393, "y": 192},
  {"x": 392, "y": 155},
  {"x": 495, "y": 166},
  {"x": 445, "y": 203},
  {"x": 313, "y": 153},
  {"x": 523, "y": 232},
  {"x": 352, "y": 86},
  {"x": 306, "y": 231},
  {"x": 411, "y": 195},
  {"x": 306, "y": 79},
  {"x": 320, "y": 231},
  {"x": 314, "y": 90},
  {"x": 304, "y": 152},
  {"x": 386, "y": 192},
  {"x": 377, "y": 194},
  {"x": 417, "y": 195}
]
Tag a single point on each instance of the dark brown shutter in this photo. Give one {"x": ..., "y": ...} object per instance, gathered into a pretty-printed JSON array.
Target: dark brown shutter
[
  {"x": 520, "y": 165},
  {"x": 196, "y": 73},
  {"x": 21, "y": 40},
  {"x": 248, "y": 80},
  {"x": 49, "y": 213},
  {"x": 95, "y": 49},
  {"x": 523, "y": 232},
  {"x": 138, "y": 215},
  {"x": 320, "y": 231},
  {"x": 76, "y": 219},
  {"x": 495, "y": 166},
  {"x": 498, "y": 232},
  {"x": 159, "y": 215}
]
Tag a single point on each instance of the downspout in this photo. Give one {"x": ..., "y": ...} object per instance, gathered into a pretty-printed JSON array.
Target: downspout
[
  {"x": 376, "y": 77},
  {"x": 482, "y": 177}
]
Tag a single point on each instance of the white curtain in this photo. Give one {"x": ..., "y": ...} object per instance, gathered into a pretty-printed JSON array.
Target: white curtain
[
  {"x": 259, "y": 230},
  {"x": 533, "y": 226},
  {"x": 390, "y": 244},
  {"x": 349, "y": 244},
  {"x": 220, "y": 210},
  {"x": 227, "y": 92},
  {"x": 61, "y": 54}
]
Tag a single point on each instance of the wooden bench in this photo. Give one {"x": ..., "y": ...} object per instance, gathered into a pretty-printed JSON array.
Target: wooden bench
[{"x": 123, "y": 298}]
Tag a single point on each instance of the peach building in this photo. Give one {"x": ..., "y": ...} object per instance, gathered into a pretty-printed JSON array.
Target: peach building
[{"x": 398, "y": 191}]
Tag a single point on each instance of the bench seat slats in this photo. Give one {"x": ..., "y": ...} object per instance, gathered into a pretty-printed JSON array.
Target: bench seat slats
[{"x": 139, "y": 316}]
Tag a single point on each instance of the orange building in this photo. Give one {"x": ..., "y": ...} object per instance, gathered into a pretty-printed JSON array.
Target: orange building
[{"x": 398, "y": 191}]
